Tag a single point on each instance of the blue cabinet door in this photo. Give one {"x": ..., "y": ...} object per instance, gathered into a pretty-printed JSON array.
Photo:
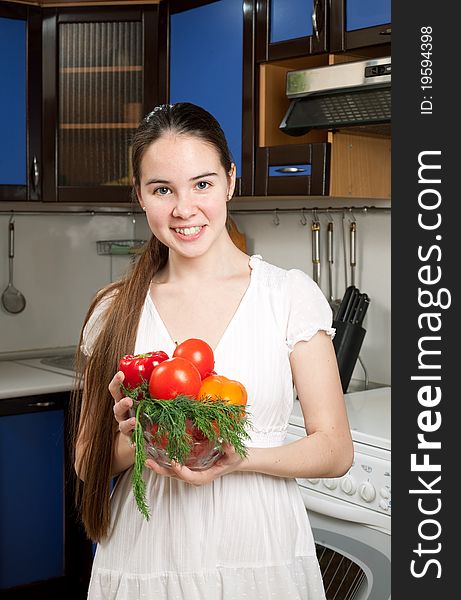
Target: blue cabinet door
[
  {"x": 290, "y": 19},
  {"x": 206, "y": 64},
  {"x": 361, "y": 14},
  {"x": 31, "y": 497},
  {"x": 290, "y": 28},
  {"x": 13, "y": 156},
  {"x": 359, "y": 24}
]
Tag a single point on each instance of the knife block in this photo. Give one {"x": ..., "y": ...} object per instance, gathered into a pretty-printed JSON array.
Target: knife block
[{"x": 347, "y": 344}]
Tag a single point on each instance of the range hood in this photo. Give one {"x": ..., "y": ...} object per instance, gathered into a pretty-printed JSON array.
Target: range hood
[{"x": 354, "y": 93}]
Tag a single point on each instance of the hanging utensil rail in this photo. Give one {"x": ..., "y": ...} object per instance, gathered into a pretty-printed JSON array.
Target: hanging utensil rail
[
  {"x": 237, "y": 211},
  {"x": 315, "y": 210}
]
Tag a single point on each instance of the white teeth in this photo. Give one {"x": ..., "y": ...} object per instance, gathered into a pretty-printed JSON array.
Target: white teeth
[{"x": 187, "y": 230}]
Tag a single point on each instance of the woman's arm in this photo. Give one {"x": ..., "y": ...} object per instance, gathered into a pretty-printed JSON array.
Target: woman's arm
[{"x": 327, "y": 451}]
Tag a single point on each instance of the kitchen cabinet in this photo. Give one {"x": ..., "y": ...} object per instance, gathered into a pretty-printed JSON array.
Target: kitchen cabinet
[
  {"x": 289, "y": 28},
  {"x": 353, "y": 162},
  {"x": 100, "y": 77},
  {"x": 43, "y": 551},
  {"x": 347, "y": 165},
  {"x": 359, "y": 23},
  {"x": 20, "y": 67},
  {"x": 350, "y": 163},
  {"x": 216, "y": 70},
  {"x": 294, "y": 170}
]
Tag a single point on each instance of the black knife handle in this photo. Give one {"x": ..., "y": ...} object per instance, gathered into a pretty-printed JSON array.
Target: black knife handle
[
  {"x": 362, "y": 309},
  {"x": 347, "y": 313},
  {"x": 342, "y": 307},
  {"x": 351, "y": 314}
]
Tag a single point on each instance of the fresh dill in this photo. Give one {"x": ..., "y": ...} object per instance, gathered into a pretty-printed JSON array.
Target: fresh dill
[{"x": 167, "y": 423}]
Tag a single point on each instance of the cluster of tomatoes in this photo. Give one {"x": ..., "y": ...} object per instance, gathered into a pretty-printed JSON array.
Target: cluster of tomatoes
[{"x": 189, "y": 372}]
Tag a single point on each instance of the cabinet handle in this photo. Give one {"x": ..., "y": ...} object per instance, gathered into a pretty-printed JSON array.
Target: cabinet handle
[
  {"x": 314, "y": 20},
  {"x": 290, "y": 170},
  {"x": 35, "y": 174},
  {"x": 42, "y": 404},
  {"x": 387, "y": 31}
]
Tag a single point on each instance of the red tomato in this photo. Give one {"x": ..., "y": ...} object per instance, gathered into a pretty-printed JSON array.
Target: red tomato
[
  {"x": 138, "y": 367},
  {"x": 199, "y": 353},
  {"x": 159, "y": 441},
  {"x": 201, "y": 445},
  {"x": 195, "y": 433},
  {"x": 173, "y": 377}
]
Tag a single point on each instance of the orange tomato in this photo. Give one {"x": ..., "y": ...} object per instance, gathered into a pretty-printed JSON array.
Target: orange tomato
[{"x": 229, "y": 390}]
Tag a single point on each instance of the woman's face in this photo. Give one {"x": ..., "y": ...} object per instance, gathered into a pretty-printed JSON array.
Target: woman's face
[{"x": 184, "y": 189}]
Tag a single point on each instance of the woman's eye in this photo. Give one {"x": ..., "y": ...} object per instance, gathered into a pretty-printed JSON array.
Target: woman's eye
[
  {"x": 162, "y": 191},
  {"x": 203, "y": 185}
]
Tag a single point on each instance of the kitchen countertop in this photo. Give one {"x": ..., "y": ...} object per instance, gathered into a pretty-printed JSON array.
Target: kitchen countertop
[
  {"x": 369, "y": 414},
  {"x": 29, "y": 377}
]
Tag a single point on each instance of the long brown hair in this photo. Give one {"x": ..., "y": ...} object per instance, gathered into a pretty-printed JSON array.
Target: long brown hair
[{"x": 91, "y": 402}]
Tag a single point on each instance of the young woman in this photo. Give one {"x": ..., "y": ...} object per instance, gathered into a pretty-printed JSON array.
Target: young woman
[{"x": 239, "y": 529}]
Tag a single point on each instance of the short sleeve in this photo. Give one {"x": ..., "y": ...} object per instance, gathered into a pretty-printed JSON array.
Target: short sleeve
[
  {"x": 94, "y": 325},
  {"x": 309, "y": 311}
]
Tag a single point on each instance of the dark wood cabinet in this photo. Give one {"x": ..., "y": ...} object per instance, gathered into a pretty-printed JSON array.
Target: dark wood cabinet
[
  {"x": 94, "y": 71},
  {"x": 293, "y": 170},
  {"x": 44, "y": 553},
  {"x": 345, "y": 163},
  {"x": 293, "y": 28},
  {"x": 357, "y": 24},
  {"x": 101, "y": 76},
  {"x": 290, "y": 28},
  {"x": 216, "y": 70},
  {"x": 20, "y": 119}
]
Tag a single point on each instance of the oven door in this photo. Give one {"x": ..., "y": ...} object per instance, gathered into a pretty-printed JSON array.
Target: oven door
[{"x": 354, "y": 554}]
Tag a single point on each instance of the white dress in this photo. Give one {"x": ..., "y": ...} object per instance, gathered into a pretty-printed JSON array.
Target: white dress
[{"x": 245, "y": 536}]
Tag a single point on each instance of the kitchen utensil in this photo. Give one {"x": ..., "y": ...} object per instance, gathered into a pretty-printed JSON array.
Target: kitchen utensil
[
  {"x": 350, "y": 333},
  {"x": 350, "y": 304},
  {"x": 334, "y": 302},
  {"x": 353, "y": 249},
  {"x": 361, "y": 309},
  {"x": 344, "y": 303},
  {"x": 12, "y": 299},
  {"x": 236, "y": 236},
  {"x": 352, "y": 313},
  {"x": 316, "y": 251},
  {"x": 347, "y": 344}
]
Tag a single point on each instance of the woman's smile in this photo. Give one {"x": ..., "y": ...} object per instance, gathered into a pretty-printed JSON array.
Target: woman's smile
[{"x": 189, "y": 233}]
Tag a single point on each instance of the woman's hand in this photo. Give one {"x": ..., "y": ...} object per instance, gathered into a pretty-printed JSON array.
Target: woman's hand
[
  {"x": 124, "y": 449},
  {"x": 229, "y": 462},
  {"x": 122, "y": 405}
]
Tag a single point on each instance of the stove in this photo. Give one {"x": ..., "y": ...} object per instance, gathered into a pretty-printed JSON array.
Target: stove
[{"x": 367, "y": 484}]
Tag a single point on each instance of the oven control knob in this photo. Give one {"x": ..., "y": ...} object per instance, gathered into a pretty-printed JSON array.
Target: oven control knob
[
  {"x": 384, "y": 505},
  {"x": 330, "y": 483},
  {"x": 314, "y": 481},
  {"x": 367, "y": 491},
  {"x": 348, "y": 485},
  {"x": 385, "y": 492}
]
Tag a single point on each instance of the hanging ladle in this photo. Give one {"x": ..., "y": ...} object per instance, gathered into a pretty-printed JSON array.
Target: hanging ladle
[{"x": 12, "y": 299}]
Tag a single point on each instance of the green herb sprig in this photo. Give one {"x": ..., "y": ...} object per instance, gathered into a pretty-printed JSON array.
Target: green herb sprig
[{"x": 218, "y": 421}]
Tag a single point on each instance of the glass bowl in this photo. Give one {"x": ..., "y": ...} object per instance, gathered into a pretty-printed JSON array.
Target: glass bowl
[{"x": 203, "y": 453}]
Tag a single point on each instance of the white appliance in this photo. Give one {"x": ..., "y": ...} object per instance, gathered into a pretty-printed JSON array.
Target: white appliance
[{"x": 351, "y": 515}]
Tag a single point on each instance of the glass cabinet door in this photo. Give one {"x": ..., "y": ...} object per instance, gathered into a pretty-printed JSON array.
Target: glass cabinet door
[
  {"x": 20, "y": 102},
  {"x": 13, "y": 110},
  {"x": 100, "y": 91}
]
